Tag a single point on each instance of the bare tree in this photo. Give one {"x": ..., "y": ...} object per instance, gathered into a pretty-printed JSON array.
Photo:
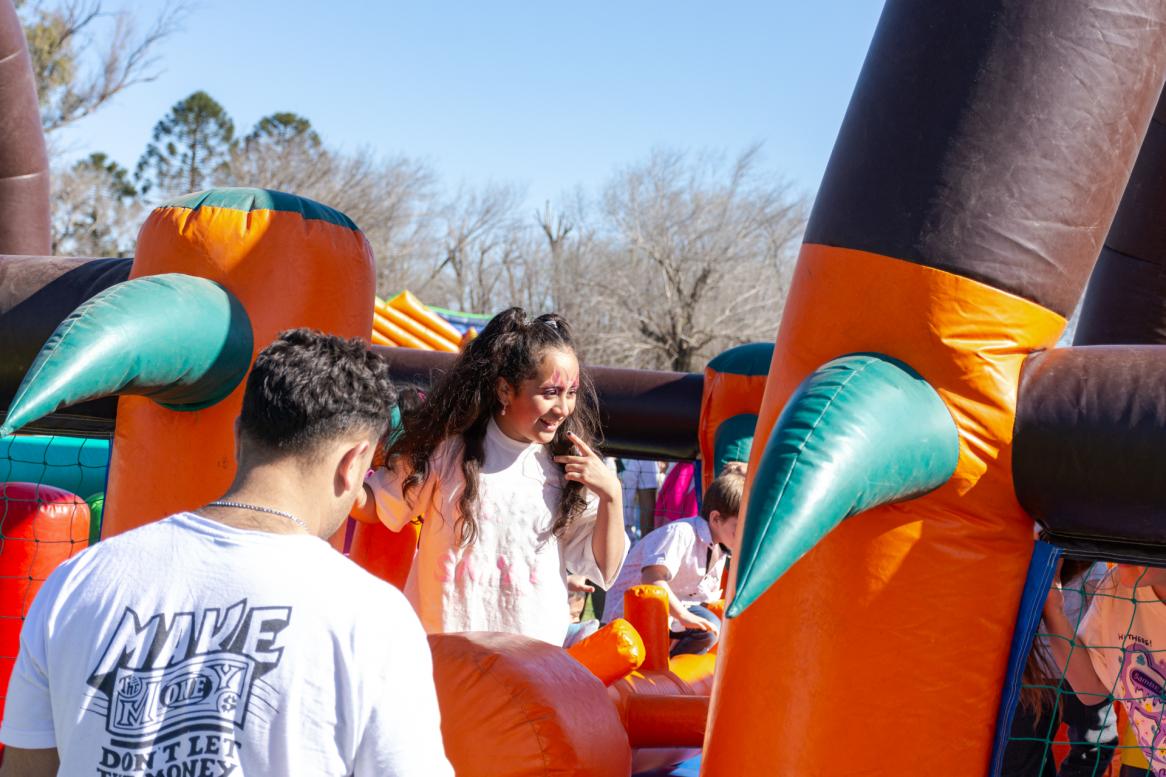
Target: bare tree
[
  {"x": 390, "y": 199},
  {"x": 572, "y": 265},
  {"x": 83, "y": 54},
  {"x": 96, "y": 209},
  {"x": 698, "y": 257},
  {"x": 481, "y": 248}
]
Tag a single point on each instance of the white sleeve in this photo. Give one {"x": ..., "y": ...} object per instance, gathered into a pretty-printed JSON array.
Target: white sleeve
[
  {"x": 393, "y": 508},
  {"x": 403, "y": 735},
  {"x": 28, "y": 711},
  {"x": 667, "y": 546},
  {"x": 575, "y": 545}
]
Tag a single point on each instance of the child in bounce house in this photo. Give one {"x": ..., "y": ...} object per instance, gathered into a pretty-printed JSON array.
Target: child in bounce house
[
  {"x": 1118, "y": 650},
  {"x": 498, "y": 465},
  {"x": 687, "y": 559}
]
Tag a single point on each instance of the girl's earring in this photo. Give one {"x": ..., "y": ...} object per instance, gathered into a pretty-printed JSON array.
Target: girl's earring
[{"x": 503, "y": 410}]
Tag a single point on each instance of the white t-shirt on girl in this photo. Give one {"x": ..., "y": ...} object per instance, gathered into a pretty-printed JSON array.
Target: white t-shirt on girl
[
  {"x": 512, "y": 578},
  {"x": 1125, "y": 630}
]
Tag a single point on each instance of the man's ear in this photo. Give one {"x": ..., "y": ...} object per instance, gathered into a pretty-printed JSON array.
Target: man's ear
[
  {"x": 351, "y": 469},
  {"x": 715, "y": 515}
]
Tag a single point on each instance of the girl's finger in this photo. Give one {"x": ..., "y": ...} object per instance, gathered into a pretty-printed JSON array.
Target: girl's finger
[{"x": 582, "y": 446}]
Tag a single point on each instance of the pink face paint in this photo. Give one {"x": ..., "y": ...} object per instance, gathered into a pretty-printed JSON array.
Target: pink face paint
[
  {"x": 534, "y": 576},
  {"x": 561, "y": 380}
]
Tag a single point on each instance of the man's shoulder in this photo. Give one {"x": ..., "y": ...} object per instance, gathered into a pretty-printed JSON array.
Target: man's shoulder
[
  {"x": 176, "y": 523},
  {"x": 129, "y": 542}
]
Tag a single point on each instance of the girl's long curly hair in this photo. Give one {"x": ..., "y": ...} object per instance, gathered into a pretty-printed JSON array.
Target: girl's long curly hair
[{"x": 463, "y": 400}]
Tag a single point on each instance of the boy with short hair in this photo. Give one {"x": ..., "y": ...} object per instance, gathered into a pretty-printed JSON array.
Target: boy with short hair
[{"x": 687, "y": 559}]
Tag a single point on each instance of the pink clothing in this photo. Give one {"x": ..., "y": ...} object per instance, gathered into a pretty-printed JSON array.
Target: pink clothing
[
  {"x": 512, "y": 578},
  {"x": 677, "y": 497}
]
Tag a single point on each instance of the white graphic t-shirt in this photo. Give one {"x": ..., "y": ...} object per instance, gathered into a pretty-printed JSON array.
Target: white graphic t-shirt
[
  {"x": 191, "y": 647},
  {"x": 1125, "y": 630}
]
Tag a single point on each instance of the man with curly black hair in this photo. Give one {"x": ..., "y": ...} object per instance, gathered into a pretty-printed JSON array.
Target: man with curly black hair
[{"x": 233, "y": 639}]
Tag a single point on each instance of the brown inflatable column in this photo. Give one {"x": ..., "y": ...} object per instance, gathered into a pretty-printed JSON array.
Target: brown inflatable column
[
  {"x": 1125, "y": 303},
  {"x": 24, "y": 162},
  {"x": 1090, "y": 419}
]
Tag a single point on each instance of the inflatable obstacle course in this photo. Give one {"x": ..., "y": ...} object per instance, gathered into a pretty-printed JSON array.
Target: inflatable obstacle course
[{"x": 977, "y": 170}]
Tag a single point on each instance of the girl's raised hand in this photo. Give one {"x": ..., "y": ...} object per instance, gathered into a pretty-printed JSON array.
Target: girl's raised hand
[{"x": 589, "y": 469}]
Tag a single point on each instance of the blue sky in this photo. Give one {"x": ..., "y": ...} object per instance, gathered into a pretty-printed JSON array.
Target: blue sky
[{"x": 548, "y": 96}]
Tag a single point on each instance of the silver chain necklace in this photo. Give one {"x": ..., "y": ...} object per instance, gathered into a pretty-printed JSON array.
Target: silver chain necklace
[{"x": 259, "y": 509}]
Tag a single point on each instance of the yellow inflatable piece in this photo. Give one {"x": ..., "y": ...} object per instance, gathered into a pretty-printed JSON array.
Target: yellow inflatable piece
[
  {"x": 404, "y": 321},
  {"x": 416, "y": 310},
  {"x": 418, "y": 329},
  {"x": 397, "y": 334}
]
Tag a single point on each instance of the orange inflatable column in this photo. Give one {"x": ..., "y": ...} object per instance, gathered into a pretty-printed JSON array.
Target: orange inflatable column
[
  {"x": 385, "y": 553},
  {"x": 292, "y": 263},
  {"x": 646, "y": 608},
  {"x": 734, "y": 383}
]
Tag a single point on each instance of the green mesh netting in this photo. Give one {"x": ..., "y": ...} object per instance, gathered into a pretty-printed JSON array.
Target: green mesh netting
[
  {"x": 51, "y": 492},
  {"x": 1116, "y": 620}
]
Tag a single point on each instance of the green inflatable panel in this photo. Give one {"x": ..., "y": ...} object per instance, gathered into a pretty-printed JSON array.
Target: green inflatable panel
[
  {"x": 734, "y": 440},
  {"x": 183, "y": 341},
  {"x": 76, "y": 464},
  {"x": 96, "y": 508},
  {"x": 863, "y": 430},
  {"x": 747, "y": 359}
]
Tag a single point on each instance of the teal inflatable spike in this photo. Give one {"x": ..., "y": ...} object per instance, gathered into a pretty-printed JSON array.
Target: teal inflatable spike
[
  {"x": 183, "y": 341},
  {"x": 734, "y": 440},
  {"x": 863, "y": 430}
]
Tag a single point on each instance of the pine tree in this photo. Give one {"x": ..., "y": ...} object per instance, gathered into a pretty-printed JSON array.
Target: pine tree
[
  {"x": 282, "y": 130},
  {"x": 190, "y": 149}
]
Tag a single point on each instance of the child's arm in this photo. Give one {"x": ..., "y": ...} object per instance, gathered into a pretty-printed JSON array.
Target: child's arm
[
  {"x": 1069, "y": 655},
  {"x": 382, "y": 499},
  {"x": 608, "y": 541},
  {"x": 658, "y": 574}
]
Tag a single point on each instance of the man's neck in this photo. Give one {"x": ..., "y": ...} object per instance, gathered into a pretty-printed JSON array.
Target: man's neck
[{"x": 276, "y": 488}]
